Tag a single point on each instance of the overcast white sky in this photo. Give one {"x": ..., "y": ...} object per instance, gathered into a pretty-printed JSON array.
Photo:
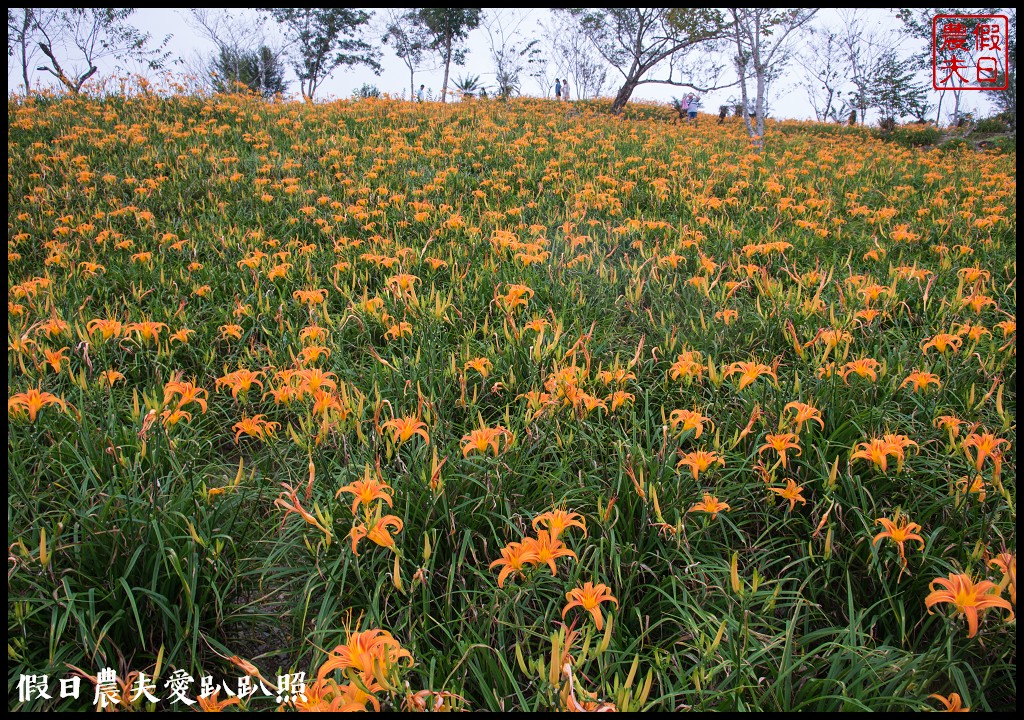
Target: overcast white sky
[{"x": 789, "y": 97}]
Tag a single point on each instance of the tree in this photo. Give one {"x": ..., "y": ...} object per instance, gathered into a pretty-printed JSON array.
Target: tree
[
  {"x": 822, "y": 58},
  {"x": 74, "y": 40},
  {"x": 245, "y": 55},
  {"x": 573, "y": 56},
  {"x": 917, "y": 22},
  {"x": 409, "y": 40},
  {"x": 637, "y": 41},
  {"x": 764, "y": 44},
  {"x": 324, "y": 39},
  {"x": 1006, "y": 100},
  {"x": 863, "y": 50},
  {"x": 21, "y": 27},
  {"x": 895, "y": 92},
  {"x": 509, "y": 52},
  {"x": 448, "y": 28},
  {"x": 259, "y": 70}
]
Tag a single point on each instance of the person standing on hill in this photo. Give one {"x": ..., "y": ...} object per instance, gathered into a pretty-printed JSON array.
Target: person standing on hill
[
  {"x": 419, "y": 95},
  {"x": 565, "y": 89},
  {"x": 693, "y": 102},
  {"x": 558, "y": 89}
]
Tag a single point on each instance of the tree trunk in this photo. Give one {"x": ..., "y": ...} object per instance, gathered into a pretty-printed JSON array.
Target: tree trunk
[
  {"x": 625, "y": 92},
  {"x": 412, "y": 84},
  {"x": 447, "y": 65}
]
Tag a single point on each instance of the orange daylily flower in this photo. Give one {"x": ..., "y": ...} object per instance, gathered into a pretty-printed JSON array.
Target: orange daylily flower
[
  {"x": 804, "y": 413},
  {"x": 619, "y": 398},
  {"x": 700, "y": 460},
  {"x": 877, "y": 451},
  {"x": 780, "y": 443},
  {"x": 950, "y": 423},
  {"x": 106, "y": 328},
  {"x": 711, "y": 505},
  {"x": 864, "y": 367},
  {"x": 557, "y": 521},
  {"x": 985, "y": 445},
  {"x": 366, "y": 652},
  {"x": 313, "y": 353},
  {"x": 943, "y": 342},
  {"x": 432, "y": 701},
  {"x": 404, "y": 428},
  {"x": 239, "y": 381},
  {"x": 312, "y": 379},
  {"x": 791, "y": 492},
  {"x": 289, "y": 502},
  {"x": 310, "y": 297},
  {"x": 55, "y": 358},
  {"x": 966, "y": 485},
  {"x": 111, "y": 377},
  {"x": 485, "y": 437},
  {"x": 32, "y": 401},
  {"x": 618, "y": 376},
  {"x": 182, "y": 336},
  {"x": 366, "y": 491},
  {"x": 548, "y": 549},
  {"x": 481, "y": 364},
  {"x": 230, "y": 332},
  {"x": 749, "y": 372},
  {"x": 515, "y": 296},
  {"x": 968, "y": 597},
  {"x": 146, "y": 331},
  {"x": 173, "y": 417},
  {"x": 399, "y": 330},
  {"x": 378, "y": 533},
  {"x": 212, "y": 704},
  {"x": 589, "y": 597},
  {"x": 689, "y": 364},
  {"x": 921, "y": 380},
  {"x": 403, "y": 284},
  {"x": 898, "y": 445},
  {"x": 514, "y": 557},
  {"x": 256, "y": 427},
  {"x": 690, "y": 420},
  {"x": 1007, "y": 564},
  {"x": 900, "y": 531},
  {"x": 187, "y": 390},
  {"x": 952, "y": 703}
]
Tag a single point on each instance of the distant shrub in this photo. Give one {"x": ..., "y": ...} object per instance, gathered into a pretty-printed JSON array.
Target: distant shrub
[
  {"x": 914, "y": 135},
  {"x": 1007, "y": 145},
  {"x": 366, "y": 91},
  {"x": 955, "y": 145},
  {"x": 798, "y": 127},
  {"x": 886, "y": 125},
  {"x": 991, "y": 125}
]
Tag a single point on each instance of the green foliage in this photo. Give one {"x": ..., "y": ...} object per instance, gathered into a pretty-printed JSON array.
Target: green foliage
[
  {"x": 1007, "y": 145},
  {"x": 260, "y": 70},
  {"x": 366, "y": 90},
  {"x": 636, "y": 41},
  {"x": 447, "y": 29},
  {"x": 895, "y": 91},
  {"x": 136, "y": 542},
  {"x": 325, "y": 39},
  {"x": 915, "y": 135},
  {"x": 955, "y": 145},
  {"x": 73, "y": 40},
  {"x": 991, "y": 125}
]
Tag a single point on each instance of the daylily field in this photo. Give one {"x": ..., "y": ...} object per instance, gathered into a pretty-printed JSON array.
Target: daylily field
[{"x": 505, "y": 406}]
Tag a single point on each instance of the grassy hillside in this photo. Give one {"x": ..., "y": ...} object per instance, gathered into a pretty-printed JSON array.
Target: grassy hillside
[{"x": 383, "y": 393}]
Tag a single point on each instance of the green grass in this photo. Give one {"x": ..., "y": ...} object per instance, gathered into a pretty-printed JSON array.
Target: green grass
[{"x": 145, "y": 570}]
